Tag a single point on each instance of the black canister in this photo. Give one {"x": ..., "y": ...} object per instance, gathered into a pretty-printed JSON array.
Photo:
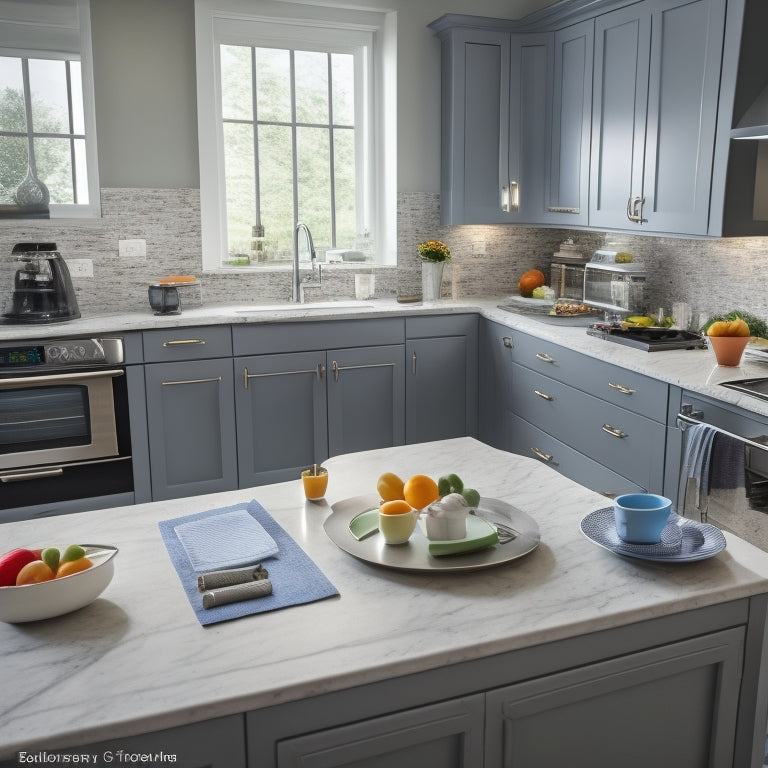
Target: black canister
[{"x": 164, "y": 299}]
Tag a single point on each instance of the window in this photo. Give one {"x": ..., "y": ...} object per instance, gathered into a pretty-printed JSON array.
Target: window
[
  {"x": 290, "y": 136},
  {"x": 47, "y": 123}
]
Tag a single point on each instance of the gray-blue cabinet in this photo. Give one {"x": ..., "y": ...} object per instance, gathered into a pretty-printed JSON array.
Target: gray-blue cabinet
[
  {"x": 441, "y": 379},
  {"x": 190, "y": 411},
  {"x": 656, "y": 86},
  {"x": 567, "y": 172}
]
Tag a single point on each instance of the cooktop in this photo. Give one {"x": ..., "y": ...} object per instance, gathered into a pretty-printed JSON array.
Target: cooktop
[{"x": 648, "y": 339}]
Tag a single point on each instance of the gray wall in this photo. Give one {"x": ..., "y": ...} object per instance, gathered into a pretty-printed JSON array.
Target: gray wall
[{"x": 146, "y": 110}]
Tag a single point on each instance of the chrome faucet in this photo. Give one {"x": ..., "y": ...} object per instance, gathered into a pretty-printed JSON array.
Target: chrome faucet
[{"x": 297, "y": 284}]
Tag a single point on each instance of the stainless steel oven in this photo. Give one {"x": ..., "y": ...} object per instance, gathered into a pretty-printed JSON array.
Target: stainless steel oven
[
  {"x": 724, "y": 469},
  {"x": 64, "y": 431}
]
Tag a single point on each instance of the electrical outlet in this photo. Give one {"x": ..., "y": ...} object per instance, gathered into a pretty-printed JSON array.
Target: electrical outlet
[
  {"x": 80, "y": 267},
  {"x": 132, "y": 250}
]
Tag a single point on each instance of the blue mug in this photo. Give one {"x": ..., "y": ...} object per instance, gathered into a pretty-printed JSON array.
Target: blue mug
[{"x": 641, "y": 517}]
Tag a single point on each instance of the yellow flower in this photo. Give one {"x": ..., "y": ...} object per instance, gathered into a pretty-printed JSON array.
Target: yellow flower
[{"x": 434, "y": 250}]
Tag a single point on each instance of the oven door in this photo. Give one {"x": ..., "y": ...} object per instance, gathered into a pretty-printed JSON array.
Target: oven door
[
  {"x": 724, "y": 475},
  {"x": 57, "y": 418}
]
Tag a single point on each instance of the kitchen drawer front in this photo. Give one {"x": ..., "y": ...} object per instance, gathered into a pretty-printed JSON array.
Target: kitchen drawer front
[
  {"x": 624, "y": 441},
  {"x": 527, "y": 440},
  {"x": 612, "y": 383},
  {"x": 201, "y": 343},
  {"x": 429, "y": 326},
  {"x": 276, "y": 338}
]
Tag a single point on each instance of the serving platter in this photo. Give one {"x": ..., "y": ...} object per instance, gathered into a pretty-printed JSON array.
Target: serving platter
[{"x": 414, "y": 555}]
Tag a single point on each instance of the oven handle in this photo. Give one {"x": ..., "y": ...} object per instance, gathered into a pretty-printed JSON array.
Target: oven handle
[
  {"x": 59, "y": 378},
  {"x": 684, "y": 421},
  {"x": 34, "y": 474}
]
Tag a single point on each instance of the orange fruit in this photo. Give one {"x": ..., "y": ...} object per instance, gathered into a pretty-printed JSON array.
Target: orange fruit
[
  {"x": 420, "y": 491},
  {"x": 533, "y": 278},
  {"x": 395, "y": 507},
  {"x": 73, "y": 566},
  {"x": 34, "y": 573},
  {"x": 390, "y": 486}
]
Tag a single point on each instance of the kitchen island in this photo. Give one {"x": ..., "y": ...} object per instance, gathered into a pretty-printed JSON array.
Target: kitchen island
[{"x": 473, "y": 664}]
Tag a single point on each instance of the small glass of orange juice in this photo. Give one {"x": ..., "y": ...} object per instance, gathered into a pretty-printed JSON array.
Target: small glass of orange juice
[{"x": 315, "y": 480}]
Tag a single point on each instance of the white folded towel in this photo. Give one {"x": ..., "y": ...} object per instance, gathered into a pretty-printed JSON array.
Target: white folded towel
[{"x": 229, "y": 540}]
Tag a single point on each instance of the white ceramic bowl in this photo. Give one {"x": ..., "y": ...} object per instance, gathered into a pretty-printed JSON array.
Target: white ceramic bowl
[{"x": 32, "y": 602}]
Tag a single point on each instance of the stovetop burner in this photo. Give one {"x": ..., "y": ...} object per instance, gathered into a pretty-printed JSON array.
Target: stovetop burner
[{"x": 648, "y": 339}]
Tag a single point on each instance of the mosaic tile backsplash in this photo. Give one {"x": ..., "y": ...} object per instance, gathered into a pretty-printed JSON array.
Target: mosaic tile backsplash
[{"x": 711, "y": 275}]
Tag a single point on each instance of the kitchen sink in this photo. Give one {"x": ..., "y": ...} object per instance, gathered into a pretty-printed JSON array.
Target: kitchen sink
[
  {"x": 755, "y": 387},
  {"x": 330, "y": 306}
]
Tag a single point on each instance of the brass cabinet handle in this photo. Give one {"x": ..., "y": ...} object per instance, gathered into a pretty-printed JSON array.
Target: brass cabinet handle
[
  {"x": 319, "y": 372},
  {"x": 181, "y": 342},
  {"x": 548, "y": 457},
  {"x": 545, "y": 358},
  {"x": 624, "y": 390},
  {"x": 191, "y": 381},
  {"x": 543, "y": 395},
  {"x": 613, "y": 431}
]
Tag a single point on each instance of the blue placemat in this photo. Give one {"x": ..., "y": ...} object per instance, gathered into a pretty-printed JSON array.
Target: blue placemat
[{"x": 295, "y": 577}]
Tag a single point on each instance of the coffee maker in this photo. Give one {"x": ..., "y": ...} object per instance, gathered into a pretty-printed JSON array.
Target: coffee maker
[{"x": 42, "y": 288}]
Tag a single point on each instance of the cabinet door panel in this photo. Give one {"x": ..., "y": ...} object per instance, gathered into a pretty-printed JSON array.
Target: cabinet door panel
[
  {"x": 448, "y": 735},
  {"x": 567, "y": 191},
  {"x": 682, "y": 111},
  {"x": 191, "y": 419},
  {"x": 436, "y": 405},
  {"x": 626, "y": 711},
  {"x": 282, "y": 424},
  {"x": 622, "y": 51},
  {"x": 366, "y": 398}
]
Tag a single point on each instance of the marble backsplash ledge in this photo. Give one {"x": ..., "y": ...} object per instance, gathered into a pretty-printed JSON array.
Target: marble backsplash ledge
[{"x": 712, "y": 275}]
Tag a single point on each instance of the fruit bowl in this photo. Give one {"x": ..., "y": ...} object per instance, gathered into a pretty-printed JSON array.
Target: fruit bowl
[{"x": 32, "y": 602}]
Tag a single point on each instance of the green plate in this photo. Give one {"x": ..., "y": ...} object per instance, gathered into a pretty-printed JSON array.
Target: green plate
[
  {"x": 365, "y": 524},
  {"x": 480, "y": 534}
]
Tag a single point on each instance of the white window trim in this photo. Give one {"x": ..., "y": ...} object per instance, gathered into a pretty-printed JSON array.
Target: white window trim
[
  {"x": 244, "y": 22},
  {"x": 48, "y": 30}
]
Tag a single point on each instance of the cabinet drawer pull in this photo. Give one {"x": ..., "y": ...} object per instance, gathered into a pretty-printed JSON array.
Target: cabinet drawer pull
[
  {"x": 338, "y": 368},
  {"x": 548, "y": 457},
  {"x": 543, "y": 395},
  {"x": 545, "y": 358},
  {"x": 562, "y": 209},
  {"x": 191, "y": 381},
  {"x": 624, "y": 390},
  {"x": 507, "y": 341},
  {"x": 613, "y": 431},
  {"x": 319, "y": 371},
  {"x": 182, "y": 342}
]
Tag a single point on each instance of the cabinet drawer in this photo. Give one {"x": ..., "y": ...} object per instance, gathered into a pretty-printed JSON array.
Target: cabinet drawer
[
  {"x": 622, "y": 440},
  {"x": 611, "y": 383},
  {"x": 429, "y": 326},
  {"x": 274, "y": 338},
  {"x": 527, "y": 440},
  {"x": 200, "y": 343}
]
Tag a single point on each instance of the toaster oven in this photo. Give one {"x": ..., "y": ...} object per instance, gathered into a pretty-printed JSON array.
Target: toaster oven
[{"x": 616, "y": 288}]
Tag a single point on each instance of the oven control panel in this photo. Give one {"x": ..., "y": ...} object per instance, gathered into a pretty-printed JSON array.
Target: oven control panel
[{"x": 61, "y": 353}]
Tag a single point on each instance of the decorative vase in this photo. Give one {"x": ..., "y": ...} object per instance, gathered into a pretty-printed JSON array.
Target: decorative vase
[
  {"x": 728, "y": 349},
  {"x": 431, "y": 279}
]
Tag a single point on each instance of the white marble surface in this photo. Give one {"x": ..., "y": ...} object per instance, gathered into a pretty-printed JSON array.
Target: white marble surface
[
  {"x": 137, "y": 659},
  {"x": 695, "y": 370}
]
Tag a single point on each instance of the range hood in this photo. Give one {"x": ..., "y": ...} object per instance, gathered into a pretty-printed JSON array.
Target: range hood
[{"x": 754, "y": 124}]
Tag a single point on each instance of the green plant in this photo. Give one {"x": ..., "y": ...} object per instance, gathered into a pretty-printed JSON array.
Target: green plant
[
  {"x": 757, "y": 327},
  {"x": 434, "y": 250}
]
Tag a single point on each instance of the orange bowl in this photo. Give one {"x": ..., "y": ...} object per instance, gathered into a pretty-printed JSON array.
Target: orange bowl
[{"x": 728, "y": 349}]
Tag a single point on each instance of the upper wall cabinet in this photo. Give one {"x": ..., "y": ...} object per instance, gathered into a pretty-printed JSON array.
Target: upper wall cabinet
[
  {"x": 605, "y": 114},
  {"x": 657, "y": 74}
]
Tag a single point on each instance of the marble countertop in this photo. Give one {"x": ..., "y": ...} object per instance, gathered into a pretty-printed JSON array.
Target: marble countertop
[
  {"x": 695, "y": 370},
  {"x": 137, "y": 660}
]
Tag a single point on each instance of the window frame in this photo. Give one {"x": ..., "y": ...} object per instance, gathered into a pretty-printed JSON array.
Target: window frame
[
  {"x": 60, "y": 32},
  {"x": 231, "y": 22}
]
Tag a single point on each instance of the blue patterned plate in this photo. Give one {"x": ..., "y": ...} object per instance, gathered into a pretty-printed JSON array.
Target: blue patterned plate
[{"x": 682, "y": 540}]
